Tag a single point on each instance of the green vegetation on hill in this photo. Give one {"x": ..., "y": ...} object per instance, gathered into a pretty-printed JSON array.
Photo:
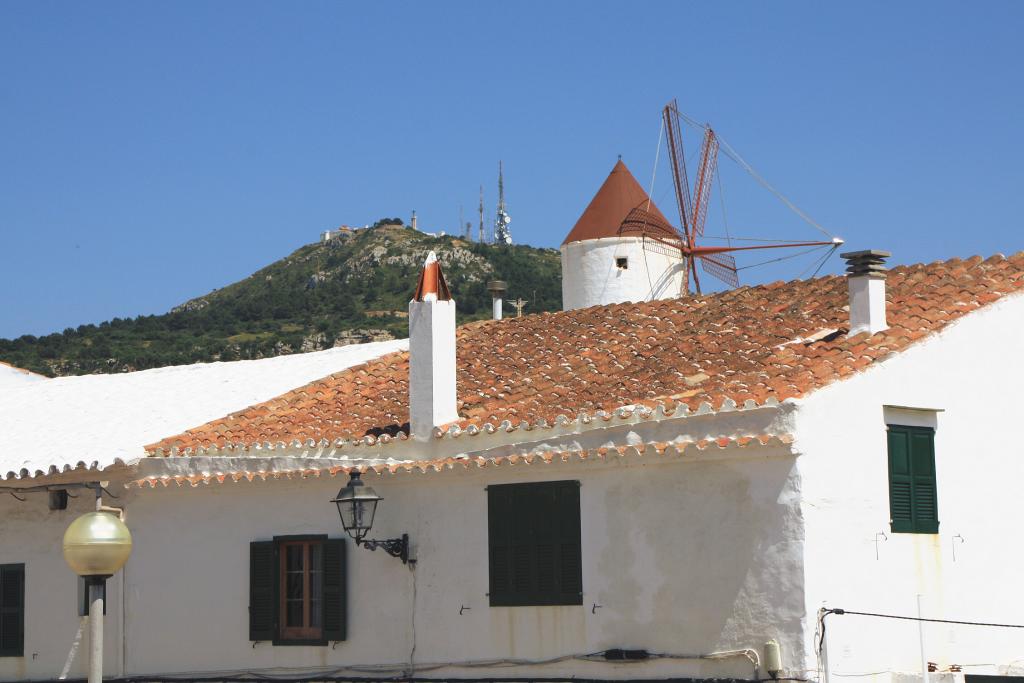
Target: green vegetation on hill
[{"x": 353, "y": 288}]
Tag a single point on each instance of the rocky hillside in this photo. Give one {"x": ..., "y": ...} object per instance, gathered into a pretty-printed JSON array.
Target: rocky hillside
[{"x": 351, "y": 289}]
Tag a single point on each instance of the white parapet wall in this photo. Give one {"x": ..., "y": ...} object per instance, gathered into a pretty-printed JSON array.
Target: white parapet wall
[{"x": 613, "y": 270}]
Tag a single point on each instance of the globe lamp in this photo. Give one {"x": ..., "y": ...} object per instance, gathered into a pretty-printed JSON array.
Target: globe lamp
[{"x": 97, "y": 544}]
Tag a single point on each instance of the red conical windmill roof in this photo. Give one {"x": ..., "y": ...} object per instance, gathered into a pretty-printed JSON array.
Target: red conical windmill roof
[{"x": 619, "y": 195}]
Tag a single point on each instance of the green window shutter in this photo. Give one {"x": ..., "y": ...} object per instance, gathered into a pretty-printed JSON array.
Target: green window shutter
[
  {"x": 263, "y": 595},
  {"x": 901, "y": 502},
  {"x": 570, "y": 565},
  {"x": 12, "y": 610},
  {"x": 922, "y": 464},
  {"x": 913, "y": 504},
  {"x": 499, "y": 542},
  {"x": 534, "y": 544},
  {"x": 335, "y": 579}
]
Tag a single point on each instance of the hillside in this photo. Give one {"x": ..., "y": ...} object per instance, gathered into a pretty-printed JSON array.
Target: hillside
[{"x": 351, "y": 289}]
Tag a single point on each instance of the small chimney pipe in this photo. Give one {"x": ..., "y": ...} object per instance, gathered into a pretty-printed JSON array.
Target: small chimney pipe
[
  {"x": 497, "y": 288},
  {"x": 865, "y": 276}
]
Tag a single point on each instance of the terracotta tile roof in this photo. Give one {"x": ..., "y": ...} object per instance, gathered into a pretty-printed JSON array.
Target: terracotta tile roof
[
  {"x": 618, "y": 196},
  {"x": 774, "y": 341}
]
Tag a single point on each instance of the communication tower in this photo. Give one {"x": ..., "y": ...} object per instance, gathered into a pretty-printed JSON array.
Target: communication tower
[
  {"x": 482, "y": 240},
  {"x": 502, "y": 234}
]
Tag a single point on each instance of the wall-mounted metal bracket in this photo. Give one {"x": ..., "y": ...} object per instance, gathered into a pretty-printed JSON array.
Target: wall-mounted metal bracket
[
  {"x": 953, "y": 542},
  {"x": 883, "y": 538},
  {"x": 395, "y": 547}
]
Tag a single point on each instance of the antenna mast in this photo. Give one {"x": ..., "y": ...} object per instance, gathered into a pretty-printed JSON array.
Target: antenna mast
[
  {"x": 502, "y": 235},
  {"x": 481, "y": 214}
]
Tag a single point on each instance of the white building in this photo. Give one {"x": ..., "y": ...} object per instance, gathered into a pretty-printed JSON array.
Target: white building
[
  {"x": 340, "y": 231},
  {"x": 635, "y": 491},
  {"x": 618, "y": 250}
]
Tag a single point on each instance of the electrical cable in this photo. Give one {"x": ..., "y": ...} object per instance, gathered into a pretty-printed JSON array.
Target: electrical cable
[
  {"x": 401, "y": 672},
  {"x": 412, "y": 652},
  {"x": 872, "y": 673},
  {"x": 934, "y": 621},
  {"x": 820, "y": 629},
  {"x": 404, "y": 679}
]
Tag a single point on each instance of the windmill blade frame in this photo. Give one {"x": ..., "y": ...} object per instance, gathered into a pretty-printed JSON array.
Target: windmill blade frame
[
  {"x": 705, "y": 179},
  {"x": 677, "y": 158},
  {"x": 722, "y": 267}
]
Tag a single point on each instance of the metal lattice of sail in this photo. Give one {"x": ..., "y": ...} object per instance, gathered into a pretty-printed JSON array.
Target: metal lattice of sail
[{"x": 661, "y": 237}]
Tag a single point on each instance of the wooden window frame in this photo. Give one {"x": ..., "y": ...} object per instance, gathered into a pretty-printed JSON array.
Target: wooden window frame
[
  {"x": 307, "y": 632},
  {"x": 265, "y": 588}
]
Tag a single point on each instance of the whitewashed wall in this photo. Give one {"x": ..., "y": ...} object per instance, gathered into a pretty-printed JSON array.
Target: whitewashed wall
[
  {"x": 32, "y": 534},
  {"x": 591, "y": 278},
  {"x": 974, "y": 373},
  {"x": 682, "y": 556}
]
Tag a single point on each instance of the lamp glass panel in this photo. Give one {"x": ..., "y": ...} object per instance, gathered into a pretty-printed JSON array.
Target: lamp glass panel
[
  {"x": 364, "y": 512},
  {"x": 346, "y": 508}
]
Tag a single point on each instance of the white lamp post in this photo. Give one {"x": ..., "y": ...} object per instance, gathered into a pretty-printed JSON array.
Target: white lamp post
[{"x": 96, "y": 545}]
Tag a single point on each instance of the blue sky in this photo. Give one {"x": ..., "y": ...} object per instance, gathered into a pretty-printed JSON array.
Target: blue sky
[{"x": 151, "y": 152}]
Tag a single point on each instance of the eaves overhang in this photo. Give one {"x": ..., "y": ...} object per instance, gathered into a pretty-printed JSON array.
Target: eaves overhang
[
  {"x": 455, "y": 441},
  {"x": 193, "y": 471}
]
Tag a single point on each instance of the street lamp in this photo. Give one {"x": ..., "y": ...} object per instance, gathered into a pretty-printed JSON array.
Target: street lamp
[
  {"x": 96, "y": 545},
  {"x": 357, "y": 504}
]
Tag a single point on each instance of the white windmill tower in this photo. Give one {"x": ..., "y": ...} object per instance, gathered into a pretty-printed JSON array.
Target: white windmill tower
[{"x": 602, "y": 265}]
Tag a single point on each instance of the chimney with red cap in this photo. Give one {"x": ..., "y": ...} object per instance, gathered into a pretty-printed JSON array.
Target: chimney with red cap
[{"x": 432, "y": 398}]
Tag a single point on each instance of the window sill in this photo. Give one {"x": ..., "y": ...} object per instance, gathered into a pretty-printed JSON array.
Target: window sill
[
  {"x": 306, "y": 643},
  {"x": 926, "y": 529},
  {"x": 513, "y": 603}
]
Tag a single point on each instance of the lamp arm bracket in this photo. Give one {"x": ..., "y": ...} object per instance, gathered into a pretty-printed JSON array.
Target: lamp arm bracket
[
  {"x": 107, "y": 508},
  {"x": 395, "y": 547}
]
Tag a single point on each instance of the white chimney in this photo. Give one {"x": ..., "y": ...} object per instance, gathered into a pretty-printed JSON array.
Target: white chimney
[
  {"x": 432, "y": 398},
  {"x": 865, "y": 275},
  {"x": 497, "y": 288}
]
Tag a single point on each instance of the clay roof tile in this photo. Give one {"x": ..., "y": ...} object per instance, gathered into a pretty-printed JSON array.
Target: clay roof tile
[{"x": 740, "y": 345}]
